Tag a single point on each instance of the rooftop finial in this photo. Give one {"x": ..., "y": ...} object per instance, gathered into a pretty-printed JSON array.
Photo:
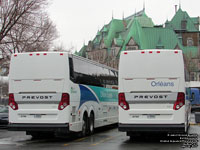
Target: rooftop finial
[
  {"x": 179, "y": 4},
  {"x": 144, "y": 5},
  {"x": 112, "y": 15}
]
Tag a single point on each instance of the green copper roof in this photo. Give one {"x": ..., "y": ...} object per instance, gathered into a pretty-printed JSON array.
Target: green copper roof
[
  {"x": 82, "y": 52},
  {"x": 145, "y": 21},
  {"x": 114, "y": 27},
  {"x": 141, "y": 29},
  {"x": 160, "y": 37},
  {"x": 180, "y": 16}
]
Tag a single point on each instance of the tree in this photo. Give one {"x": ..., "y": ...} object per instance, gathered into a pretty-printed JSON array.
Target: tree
[{"x": 25, "y": 26}]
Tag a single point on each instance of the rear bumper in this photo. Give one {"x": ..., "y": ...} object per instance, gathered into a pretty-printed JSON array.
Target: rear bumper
[
  {"x": 39, "y": 127},
  {"x": 151, "y": 127}
]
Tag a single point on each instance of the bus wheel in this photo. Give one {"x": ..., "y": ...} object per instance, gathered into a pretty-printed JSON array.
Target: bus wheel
[
  {"x": 91, "y": 124},
  {"x": 84, "y": 127}
]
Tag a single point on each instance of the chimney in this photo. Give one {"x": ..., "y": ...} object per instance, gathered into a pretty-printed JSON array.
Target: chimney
[{"x": 175, "y": 8}]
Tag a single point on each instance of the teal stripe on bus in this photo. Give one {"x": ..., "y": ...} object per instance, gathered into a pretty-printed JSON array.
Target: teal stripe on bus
[{"x": 105, "y": 94}]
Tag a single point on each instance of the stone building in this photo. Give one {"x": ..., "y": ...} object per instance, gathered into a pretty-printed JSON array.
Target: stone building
[{"x": 138, "y": 32}]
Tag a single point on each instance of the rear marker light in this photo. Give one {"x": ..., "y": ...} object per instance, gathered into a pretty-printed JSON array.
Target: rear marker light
[
  {"x": 45, "y": 54},
  {"x": 37, "y": 80},
  {"x": 15, "y": 55},
  {"x": 61, "y": 54},
  {"x": 30, "y": 54},
  {"x": 128, "y": 78},
  {"x": 150, "y": 78},
  {"x": 125, "y": 53},
  {"x": 158, "y": 51},
  {"x": 143, "y": 52},
  {"x": 175, "y": 52},
  {"x": 150, "y": 52},
  {"x": 37, "y": 54},
  {"x": 12, "y": 102}
]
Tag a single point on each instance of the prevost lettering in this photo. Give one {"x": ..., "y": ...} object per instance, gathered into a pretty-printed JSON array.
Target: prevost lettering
[
  {"x": 37, "y": 97},
  {"x": 150, "y": 96}
]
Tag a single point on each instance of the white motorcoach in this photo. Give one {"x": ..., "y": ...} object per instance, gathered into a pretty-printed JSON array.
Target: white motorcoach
[
  {"x": 152, "y": 92},
  {"x": 55, "y": 92}
]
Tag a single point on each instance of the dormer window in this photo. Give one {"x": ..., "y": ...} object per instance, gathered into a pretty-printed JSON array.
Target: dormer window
[
  {"x": 190, "y": 42},
  {"x": 184, "y": 24}
]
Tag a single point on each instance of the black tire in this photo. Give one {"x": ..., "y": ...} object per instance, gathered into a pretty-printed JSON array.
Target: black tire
[
  {"x": 91, "y": 124},
  {"x": 84, "y": 127},
  {"x": 188, "y": 125}
]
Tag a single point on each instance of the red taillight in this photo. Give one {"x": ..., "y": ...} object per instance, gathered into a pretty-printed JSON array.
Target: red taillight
[
  {"x": 180, "y": 101},
  {"x": 64, "y": 101},
  {"x": 12, "y": 102},
  {"x": 122, "y": 101}
]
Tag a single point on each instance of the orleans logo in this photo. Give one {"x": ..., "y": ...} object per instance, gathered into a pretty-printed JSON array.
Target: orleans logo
[{"x": 162, "y": 84}]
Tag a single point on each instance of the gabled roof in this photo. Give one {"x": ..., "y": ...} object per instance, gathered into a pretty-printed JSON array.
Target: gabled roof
[
  {"x": 180, "y": 16},
  {"x": 160, "y": 36}
]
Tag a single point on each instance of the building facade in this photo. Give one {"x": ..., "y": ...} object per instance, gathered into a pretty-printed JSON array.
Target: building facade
[{"x": 138, "y": 32}]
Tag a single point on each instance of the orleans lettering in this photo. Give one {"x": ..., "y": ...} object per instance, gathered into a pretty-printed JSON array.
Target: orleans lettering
[{"x": 162, "y": 84}]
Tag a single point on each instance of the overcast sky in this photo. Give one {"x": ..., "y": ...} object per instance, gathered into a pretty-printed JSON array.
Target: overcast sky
[{"x": 78, "y": 21}]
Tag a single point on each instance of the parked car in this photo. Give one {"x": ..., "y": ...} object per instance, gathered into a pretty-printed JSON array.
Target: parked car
[{"x": 3, "y": 116}]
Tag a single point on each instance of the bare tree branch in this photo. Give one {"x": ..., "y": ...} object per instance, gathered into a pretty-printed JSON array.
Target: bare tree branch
[{"x": 25, "y": 26}]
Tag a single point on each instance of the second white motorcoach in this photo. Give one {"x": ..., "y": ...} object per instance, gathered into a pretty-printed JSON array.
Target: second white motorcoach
[
  {"x": 152, "y": 92},
  {"x": 59, "y": 93}
]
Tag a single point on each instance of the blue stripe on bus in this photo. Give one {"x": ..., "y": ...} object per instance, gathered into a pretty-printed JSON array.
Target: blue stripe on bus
[{"x": 86, "y": 95}]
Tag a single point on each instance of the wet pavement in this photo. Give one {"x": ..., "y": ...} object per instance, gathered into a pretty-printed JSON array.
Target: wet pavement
[{"x": 103, "y": 139}]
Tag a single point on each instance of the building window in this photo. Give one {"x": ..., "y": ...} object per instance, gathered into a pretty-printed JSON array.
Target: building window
[
  {"x": 190, "y": 42},
  {"x": 113, "y": 51},
  {"x": 183, "y": 24},
  {"x": 192, "y": 77},
  {"x": 132, "y": 48}
]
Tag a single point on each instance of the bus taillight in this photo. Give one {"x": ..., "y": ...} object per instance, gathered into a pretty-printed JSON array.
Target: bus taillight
[
  {"x": 12, "y": 102},
  {"x": 64, "y": 101},
  {"x": 122, "y": 101},
  {"x": 180, "y": 101}
]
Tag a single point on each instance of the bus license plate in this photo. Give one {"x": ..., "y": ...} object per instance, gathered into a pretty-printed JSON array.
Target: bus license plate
[
  {"x": 37, "y": 116},
  {"x": 151, "y": 116}
]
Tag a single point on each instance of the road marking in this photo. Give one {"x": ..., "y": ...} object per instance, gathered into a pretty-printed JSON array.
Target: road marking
[
  {"x": 81, "y": 139},
  {"x": 195, "y": 124},
  {"x": 78, "y": 140},
  {"x": 102, "y": 141}
]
